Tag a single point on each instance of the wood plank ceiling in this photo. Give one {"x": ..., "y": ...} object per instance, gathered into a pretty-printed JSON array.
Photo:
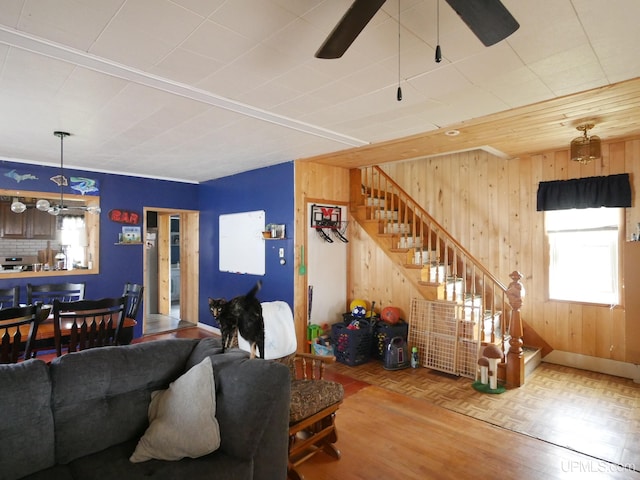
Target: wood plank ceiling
[{"x": 543, "y": 126}]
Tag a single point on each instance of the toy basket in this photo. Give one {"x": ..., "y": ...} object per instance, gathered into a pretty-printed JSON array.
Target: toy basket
[
  {"x": 383, "y": 332},
  {"x": 352, "y": 346}
]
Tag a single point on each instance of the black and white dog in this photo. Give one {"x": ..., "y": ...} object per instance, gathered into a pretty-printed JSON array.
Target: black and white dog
[{"x": 243, "y": 314}]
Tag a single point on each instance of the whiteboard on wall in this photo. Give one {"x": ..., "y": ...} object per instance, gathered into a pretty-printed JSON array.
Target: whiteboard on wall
[
  {"x": 241, "y": 244},
  {"x": 327, "y": 274}
]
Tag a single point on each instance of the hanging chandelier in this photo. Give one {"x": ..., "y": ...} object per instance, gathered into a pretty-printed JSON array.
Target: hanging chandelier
[
  {"x": 45, "y": 205},
  {"x": 585, "y": 148}
]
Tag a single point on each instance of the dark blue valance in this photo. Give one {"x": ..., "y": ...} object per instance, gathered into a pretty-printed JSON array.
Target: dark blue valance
[{"x": 590, "y": 192}]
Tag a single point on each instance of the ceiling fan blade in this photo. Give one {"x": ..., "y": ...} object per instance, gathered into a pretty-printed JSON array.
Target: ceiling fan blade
[
  {"x": 348, "y": 28},
  {"x": 489, "y": 20}
]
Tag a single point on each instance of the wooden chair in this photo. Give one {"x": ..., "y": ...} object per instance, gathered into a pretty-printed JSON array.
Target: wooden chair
[
  {"x": 133, "y": 292},
  {"x": 9, "y": 297},
  {"x": 314, "y": 403},
  {"x": 92, "y": 323},
  {"x": 314, "y": 400},
  {"x": 15, "y": 339},
  {"x": 48, "y": 292}
]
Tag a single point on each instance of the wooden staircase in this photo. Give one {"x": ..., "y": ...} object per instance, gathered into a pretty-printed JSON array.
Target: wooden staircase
[{"x": 437, "y": 265}]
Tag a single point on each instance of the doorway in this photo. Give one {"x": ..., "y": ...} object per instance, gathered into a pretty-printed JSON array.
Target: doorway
[{"x": 170, "y": 269}]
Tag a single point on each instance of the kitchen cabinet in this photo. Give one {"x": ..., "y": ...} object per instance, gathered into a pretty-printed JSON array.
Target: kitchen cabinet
[{"x": 31, "y": 224}]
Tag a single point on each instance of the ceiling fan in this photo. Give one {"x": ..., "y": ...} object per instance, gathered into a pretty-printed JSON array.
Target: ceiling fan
[{"x": 489, "y": 20}]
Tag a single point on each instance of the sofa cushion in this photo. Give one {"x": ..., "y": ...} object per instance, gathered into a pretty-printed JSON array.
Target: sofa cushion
[
  {"x": 27, "y": 420},
  {"x": 182, "y": 420},
  {"x": 237, "y": 401},
  {"x": 310, "y": 396},
  {"x": 113, "y": 463},
  {"x": 205, "y": 348},
  {"x": 57, "y": 472},
  {"x": 101, "y": 396}
]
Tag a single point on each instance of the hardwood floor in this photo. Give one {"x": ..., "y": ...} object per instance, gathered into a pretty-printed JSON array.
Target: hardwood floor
[
  {"x": 418, "y": 424},
  {"x": 154, "y": 323},
  {"x": 386, "y": 435}
]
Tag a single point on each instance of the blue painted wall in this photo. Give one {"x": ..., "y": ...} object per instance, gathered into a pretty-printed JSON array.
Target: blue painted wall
[
  {"x": 270, "y": 189},
  {"x": 118, "y": 264}
]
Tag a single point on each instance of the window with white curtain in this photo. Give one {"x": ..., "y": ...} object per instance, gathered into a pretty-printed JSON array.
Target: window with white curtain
[
  {"x": 73, "y": 237},
  {"x": 584, "y": 254}
]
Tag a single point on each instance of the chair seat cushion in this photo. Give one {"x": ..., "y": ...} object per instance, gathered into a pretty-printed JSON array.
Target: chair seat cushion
[{"x": 310, "y": 396}]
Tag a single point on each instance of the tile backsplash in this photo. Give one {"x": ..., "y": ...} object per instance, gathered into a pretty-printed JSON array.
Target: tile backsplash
[{"x": 22, "y": 247}]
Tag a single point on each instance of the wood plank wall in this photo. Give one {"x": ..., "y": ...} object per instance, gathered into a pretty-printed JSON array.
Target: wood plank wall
[
  {"x": 313, "y": 183},
  {"x": 489, "y": 204}
]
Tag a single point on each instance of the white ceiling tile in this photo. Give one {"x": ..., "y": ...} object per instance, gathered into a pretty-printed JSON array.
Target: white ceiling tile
[
  {"x": 72, "y": 23},
  {"x": 218, "y": 42},
  {"x": 299, "y": 39},
  {"x": 200, "y": 7},
  {"x": 10, "y": 13},
  {"x": 490, "y": 63},
  {"x": 33, "y": 85},
  {"x": 252, "y": 19},
  {"x": 440, "y": 82},
  {"x": 517, "y": 88},
  {"x": 173, "y": 66},
  {"x": 186, "y": 67}
]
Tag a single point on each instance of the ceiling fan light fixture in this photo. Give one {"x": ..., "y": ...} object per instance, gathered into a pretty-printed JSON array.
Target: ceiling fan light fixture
[{"x": 585, "y": 148}]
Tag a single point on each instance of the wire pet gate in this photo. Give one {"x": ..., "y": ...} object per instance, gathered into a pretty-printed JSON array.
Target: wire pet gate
[{"x": 445, "y": 342}]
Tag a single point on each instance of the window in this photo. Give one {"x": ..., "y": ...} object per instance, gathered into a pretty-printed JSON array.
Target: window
[
  {"x": 583, "y": 254},
  {"x": 73, "y": 238}
]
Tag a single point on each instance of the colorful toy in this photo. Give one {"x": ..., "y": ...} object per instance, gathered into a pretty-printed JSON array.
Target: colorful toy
[
  {"x": 358, "y": 311},
  {"x": 391, "y": 315},
  {"x": 358, "y": 303}
]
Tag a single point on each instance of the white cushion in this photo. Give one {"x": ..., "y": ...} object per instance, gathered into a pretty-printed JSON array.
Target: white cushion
[
  {"x": 182, "y": 420},
  {"x": 279, "y": 331}
]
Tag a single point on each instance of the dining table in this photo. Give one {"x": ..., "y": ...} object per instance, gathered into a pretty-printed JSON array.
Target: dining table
[
  {"x": 45, "y": 336},
  {"x": 46, "y": 330}
]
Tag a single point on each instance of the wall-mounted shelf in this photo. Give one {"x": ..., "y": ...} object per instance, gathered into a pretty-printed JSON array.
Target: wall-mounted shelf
[
  {"x": 274, "y": 231},
  {"x": 128, "y": 243}
]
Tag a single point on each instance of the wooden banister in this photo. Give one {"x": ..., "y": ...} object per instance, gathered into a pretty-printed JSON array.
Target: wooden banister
[{"x": 410, "y": 228}]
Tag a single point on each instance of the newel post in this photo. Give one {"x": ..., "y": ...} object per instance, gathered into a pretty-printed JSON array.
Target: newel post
[{"x": 515, "y": 356}]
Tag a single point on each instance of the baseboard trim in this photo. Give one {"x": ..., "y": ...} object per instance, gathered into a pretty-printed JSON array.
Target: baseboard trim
[
  {"x": 209, "y": 328},
  {"x": 594, "y": 364}
]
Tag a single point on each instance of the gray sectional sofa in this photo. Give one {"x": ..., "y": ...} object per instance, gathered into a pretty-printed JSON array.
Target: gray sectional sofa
[{"x": 81, "y": 416}]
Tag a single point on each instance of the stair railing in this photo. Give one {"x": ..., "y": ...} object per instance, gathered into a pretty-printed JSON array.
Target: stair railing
[{"x": 481, "y": 296}]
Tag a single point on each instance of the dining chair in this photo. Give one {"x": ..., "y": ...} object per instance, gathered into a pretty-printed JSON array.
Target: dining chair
[
  {"x": 48, "y": 292},
  {"x": 18, "y": 329},
  {"x": 9, "y": 297},
  {"x": 89, "y": 323},
  {"x": 133, "y": 292}
]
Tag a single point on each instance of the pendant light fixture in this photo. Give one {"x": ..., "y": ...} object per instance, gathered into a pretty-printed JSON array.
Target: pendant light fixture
[
  {"x": 586, "y": 148},
  {"x": 399, "y": 93},
  {"x": 45, "y": 205}
]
